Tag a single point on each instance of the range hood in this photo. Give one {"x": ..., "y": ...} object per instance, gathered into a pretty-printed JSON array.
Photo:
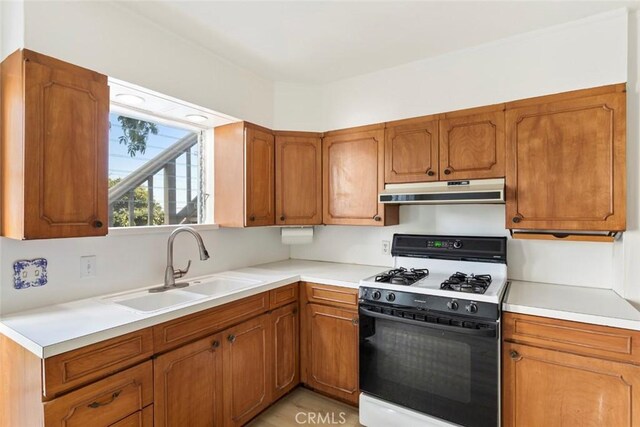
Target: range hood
[{"x": 442, "y": 193}]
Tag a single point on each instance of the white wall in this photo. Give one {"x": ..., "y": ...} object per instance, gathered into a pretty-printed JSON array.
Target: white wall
[
  {"x": 582, "y": 54},
  {"x": 126, "y": 262},
  {"x": 111, "y": 39}
]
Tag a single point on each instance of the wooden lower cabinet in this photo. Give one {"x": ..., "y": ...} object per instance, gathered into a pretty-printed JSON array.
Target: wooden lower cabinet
[
  {"x": 105, "y": 402},
  {"x": 247, "y": 370},
  {"x": 286, "y": 360},
  {"x": 330, "y": 361},
  {"x": 143, "y": 418},
  {"x": 552, "y": 388},
  {"x": 188, "y": 385}
]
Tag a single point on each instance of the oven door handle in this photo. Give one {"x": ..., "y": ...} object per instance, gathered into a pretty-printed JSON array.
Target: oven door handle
[{"x": 454, "y": 329}]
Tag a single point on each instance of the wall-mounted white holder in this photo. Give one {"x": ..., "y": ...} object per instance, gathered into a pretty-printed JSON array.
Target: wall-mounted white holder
[
  {"x": 29, "y": 273},
  {"x": 296, "y": 235}
]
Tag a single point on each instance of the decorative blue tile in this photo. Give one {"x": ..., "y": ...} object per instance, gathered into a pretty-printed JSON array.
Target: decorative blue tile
[{"x": 29, "y": 273}]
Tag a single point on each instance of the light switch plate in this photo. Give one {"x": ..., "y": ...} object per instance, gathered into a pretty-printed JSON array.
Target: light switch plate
[
  {"x": 29, "y": 273},
  {"x": 88, "y": 266}
]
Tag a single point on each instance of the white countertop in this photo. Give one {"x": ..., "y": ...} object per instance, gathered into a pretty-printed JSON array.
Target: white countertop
[
  {"x": 580, "y": 304},
  {"x": 55, "y": 329}
]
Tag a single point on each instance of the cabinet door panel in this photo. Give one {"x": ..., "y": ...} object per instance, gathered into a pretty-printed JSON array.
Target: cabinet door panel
[
  {"x": 298, "y": 180},
  {"x": 566, "y": 165},
  {"x": 332, "y": 349},
  {"x": 472, "y": 147},
  {"x": 66, "y": 152},
  {"x": 260, "y": 194},
  {"x": 353, "y": 176},
  {"x": 247, "y": 370},
  {"x": 188, "y": 385},
  {"x": 285, "y": 321},
  {"x": 411, "y": 152},
  {"x": 551, "y": 388}
]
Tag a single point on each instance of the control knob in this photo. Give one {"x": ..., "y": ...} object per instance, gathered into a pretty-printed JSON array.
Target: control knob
[
  {"x": 391, "y": 297},
  {"x": 457, "y": 244},
  {"x": 376, "y": 295},
  {"x": 472, "y": 308},
  {"x": 453, "y": 305}
]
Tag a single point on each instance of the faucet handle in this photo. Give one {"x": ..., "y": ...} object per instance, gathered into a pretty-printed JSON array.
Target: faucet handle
[{"x": 178, "y": 273}]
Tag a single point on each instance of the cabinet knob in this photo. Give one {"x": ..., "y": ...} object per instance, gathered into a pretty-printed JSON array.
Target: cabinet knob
[
  {"x": 447, "y": 171},
  {"x": 514, "y": 355},
  {"x": 215, "y": 344},
  {"x": 516, "y": 219},
  {"x": 377, "y": 218},
  {"x": 355, "y": 321},
  {"x": 295, "y": 311},
  {"x": 282, "y": 218},
  {"x": 252, "y": 218},
  {"x": 430, "y": 172},
  {"x": 97, "y": 224},
  {"x": 231, "y": 338}
]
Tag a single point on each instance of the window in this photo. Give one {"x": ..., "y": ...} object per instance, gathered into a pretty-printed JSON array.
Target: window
[{"x": 155, "y": 173}]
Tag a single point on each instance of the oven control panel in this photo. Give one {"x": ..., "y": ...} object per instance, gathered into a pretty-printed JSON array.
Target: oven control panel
[
  {"x": 444, "y": 244},
  {"x": 414, "y": 301}
]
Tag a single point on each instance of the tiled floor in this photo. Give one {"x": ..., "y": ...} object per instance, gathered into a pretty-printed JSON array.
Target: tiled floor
[{"x": 304, "y": 407}]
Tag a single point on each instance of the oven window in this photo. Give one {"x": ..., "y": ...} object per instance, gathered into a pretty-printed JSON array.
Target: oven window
[
  {"x": 431, "y": 364},
  {"x": 448, "y": 375}
]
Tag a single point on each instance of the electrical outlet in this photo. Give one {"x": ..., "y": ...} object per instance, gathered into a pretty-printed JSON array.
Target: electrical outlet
[
  {"x": 386, "y": 247},
  {"x": 88, "y": 266}
]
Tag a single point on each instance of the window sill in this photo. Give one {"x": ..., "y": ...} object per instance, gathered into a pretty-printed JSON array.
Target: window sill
[{"x": 156, "y": 229}]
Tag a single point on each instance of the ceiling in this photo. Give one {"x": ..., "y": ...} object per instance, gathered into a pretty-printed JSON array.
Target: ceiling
[{"x": 315, "y": 42}]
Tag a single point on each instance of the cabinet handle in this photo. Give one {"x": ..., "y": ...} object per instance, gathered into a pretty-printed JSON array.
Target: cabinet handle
[
  {"x": 114, "y": 396},
  {"x": 97, "y": 224},
  {"x": 355, "y": 321},
  {"x": 231, "y": 338},
  {"x": 447, "y": 171},
  {"x": 215, "y": 344},
  {"x": 252, "y": 218},
  {"x": 282, "y": 218},
  {"x": 515, "y": 355},
  {"x": 377, "y": 218},
  {"x": 516, "y": 219},
  {"x": 430, "y": 172}
]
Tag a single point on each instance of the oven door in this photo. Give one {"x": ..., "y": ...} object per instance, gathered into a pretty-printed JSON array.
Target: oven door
[{"x": 436, "y": 365}]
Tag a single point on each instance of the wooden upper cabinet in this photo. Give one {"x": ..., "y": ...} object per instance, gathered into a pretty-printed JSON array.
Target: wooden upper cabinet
[
  {"x": 188, "y": 385},
  {"x": 260, "y": 169},
  {"x": 244, "y": 169},
  {"x": 298, "y": 178},
  {"x": 472, "y": 146},
  {"x": 55, "y": 135},
  {"x": 411, "y": 151},
  {"x": 566, "y": 161},
  {"x": 353, "y": 175}
]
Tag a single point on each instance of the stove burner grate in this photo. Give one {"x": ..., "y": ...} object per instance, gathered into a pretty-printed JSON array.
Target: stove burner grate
[
  {"x": 402, "y": 276},
  {"x": 461, "y": 282}
]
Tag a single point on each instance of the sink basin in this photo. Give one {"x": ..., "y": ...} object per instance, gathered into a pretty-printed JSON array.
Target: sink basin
[
  {"x": 219, "y": 285},
  {"x": 146, "y": 302}
]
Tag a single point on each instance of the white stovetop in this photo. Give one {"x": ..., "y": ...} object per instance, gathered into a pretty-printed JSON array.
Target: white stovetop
[
  {"x": 58, "y": 328},
  {"x": 441, "y": 270}
]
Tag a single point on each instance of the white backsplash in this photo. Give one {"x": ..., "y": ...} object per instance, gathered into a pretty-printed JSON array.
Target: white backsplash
[{"x": 127, "y": 261}]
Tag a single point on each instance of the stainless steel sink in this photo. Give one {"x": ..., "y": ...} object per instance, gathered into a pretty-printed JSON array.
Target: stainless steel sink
[
  {"x": 146, "y": 302},
  {"x": 219, "y": 285}
]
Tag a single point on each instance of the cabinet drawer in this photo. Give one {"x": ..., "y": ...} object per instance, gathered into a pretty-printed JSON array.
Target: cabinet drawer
[
  {"x": 142, "y": 418},
  {"x": 173, "y": 333},
  {"x": 574, "y": 337},
  {"x": 78, "y": 367},
  {"x": 331, "y": 295},
  {"x": 104, "y": 402},
  {"x": 283, "y": 296}
]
